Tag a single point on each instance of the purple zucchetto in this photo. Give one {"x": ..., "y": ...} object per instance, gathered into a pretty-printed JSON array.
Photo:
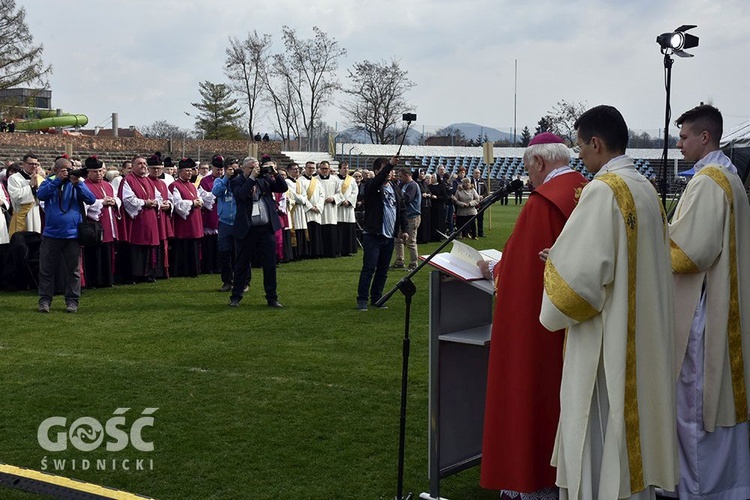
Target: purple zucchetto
[{"x": 546, "y": 138}]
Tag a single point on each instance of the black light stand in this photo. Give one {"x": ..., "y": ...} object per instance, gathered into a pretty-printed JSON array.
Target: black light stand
[
  {"x": 407, "y": 288},
  {"x": 668, "y": 61},
  {"x": 671, "y": 43}
]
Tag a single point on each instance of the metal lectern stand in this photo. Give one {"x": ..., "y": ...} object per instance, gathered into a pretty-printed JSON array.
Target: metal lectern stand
[{"x": 460, "y": 330}]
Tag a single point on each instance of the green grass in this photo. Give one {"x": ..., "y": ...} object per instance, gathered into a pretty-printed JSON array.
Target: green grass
[{"x": 301, "y": 402}]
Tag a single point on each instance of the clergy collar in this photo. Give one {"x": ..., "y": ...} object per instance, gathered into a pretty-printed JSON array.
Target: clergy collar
[{"x": 324, "y": 177}]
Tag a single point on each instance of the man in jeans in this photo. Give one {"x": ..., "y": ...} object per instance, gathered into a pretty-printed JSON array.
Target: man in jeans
[
  {"x": 385, "y": 219},
  {"x": 255, "y": 224},
  {"x": 413, "y": 202},
  {"x": 63, "y": 196}
]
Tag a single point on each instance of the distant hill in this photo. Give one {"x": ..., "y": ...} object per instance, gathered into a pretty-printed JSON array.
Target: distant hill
[{"x": 470, "y": 131}]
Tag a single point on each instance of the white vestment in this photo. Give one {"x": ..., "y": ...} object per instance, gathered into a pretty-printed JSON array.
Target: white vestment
[
  {"x": 4, "y": 207},
  {"x": 23, "y": 200},
  {"x": 330, "y": 189},
  {"x": 314, "y": 194},
  {"x": 348, "y": 191},
  {"x": 710, "y": 239},
  {"x": 298, "y": 204},
  {"x": 607, "y": 280}
]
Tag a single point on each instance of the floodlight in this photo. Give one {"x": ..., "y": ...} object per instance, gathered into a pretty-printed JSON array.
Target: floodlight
[
  {"x": 677, "y": 41},
  {"x": 672, "y": 43}
]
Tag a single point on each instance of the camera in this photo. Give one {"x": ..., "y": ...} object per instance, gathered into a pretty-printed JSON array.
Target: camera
[
  {"x": 267, "y": 169},
  {"x": 79, "y": 172},
  {"x": 410, "y": 117}
]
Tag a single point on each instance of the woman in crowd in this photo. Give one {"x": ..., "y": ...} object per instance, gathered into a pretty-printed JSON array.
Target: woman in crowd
[{"x": 466, "y": 199}]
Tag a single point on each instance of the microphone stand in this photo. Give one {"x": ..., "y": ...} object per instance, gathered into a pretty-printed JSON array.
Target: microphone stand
[{"x": 407, "y": 288}]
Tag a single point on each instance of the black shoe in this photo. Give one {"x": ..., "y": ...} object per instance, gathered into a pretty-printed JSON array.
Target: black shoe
[
  {"x": 275, "y": 303},
  {"x": 226, "y": 287},
  {"x": 234, "y": 303}
]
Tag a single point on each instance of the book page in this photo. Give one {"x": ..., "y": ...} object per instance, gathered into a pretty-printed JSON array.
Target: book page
[{"x": 465, "y": 253}]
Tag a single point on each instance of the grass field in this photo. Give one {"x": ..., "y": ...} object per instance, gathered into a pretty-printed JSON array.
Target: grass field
[{"x": 253, "y": 403}]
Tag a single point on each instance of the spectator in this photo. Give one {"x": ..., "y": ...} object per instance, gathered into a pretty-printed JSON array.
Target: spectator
[{"x": 64, "y": 196}]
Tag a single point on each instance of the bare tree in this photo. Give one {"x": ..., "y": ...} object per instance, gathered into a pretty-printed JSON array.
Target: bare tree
[
  {"x": 285, "y": 108},
  {"x": 309, "y": 66},
  {"x": 20, "y": 60},
  {"x": 376, "y": 94},
  {"x": 562, "y": 117},
  {"x": 245, "y": 66},
  {"x": 162, "y": 129}
]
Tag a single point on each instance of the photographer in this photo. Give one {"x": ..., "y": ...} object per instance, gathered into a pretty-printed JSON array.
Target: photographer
[
  {"x": 255, "y": 225},
  {"x": 64, "y": 196}
]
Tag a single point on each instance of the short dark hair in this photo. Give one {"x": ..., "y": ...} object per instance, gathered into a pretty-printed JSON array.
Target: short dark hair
[
  {"x": 704, "y": 117},
  {"x": 606, "y": 123},
  {"x": 29, "y": 155},
  {"x": 378, "y": 163}
]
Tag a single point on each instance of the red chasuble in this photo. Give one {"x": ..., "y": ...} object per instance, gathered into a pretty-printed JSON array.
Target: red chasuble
[
  {"x": 100, "y": 190},
  {"x": 143, "y": 229},
  {"x": 525, "y": 368},
  {"x": 192, "y": 227}
]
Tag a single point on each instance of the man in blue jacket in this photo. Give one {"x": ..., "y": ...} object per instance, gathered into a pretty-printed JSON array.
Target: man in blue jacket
[
  {"x": 227, "y": 208},
  {"x": 255, "y": 226},
  {"x": 63, "y": 196}
]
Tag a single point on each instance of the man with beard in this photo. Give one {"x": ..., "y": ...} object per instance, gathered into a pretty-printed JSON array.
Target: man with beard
[
  {"x": 99, "y": 260},
  {"x": 142, "y": 204},
  {"x": 188, "y": 222}
]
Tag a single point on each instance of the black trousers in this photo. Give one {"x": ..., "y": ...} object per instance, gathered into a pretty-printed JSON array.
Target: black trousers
[{"x": 258, "y": 244}]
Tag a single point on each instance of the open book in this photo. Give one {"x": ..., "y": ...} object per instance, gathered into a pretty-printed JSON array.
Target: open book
[{"x": 461, "y": 261}]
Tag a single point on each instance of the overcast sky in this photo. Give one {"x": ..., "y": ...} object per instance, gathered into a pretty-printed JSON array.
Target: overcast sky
[{"x": 143, "y": 59}]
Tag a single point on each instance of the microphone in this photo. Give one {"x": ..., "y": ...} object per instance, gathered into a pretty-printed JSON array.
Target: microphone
[{"x": 502, "y": 191}]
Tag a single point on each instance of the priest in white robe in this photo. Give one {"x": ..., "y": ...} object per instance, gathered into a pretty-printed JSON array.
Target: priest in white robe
[
  {"x": 710, "y": 240},
  {"x": 329, "y": 184},
  {"x": 346, "y": 202},
  {"x": 314, "y": 193},
  {"x": 607, "y": 280}
]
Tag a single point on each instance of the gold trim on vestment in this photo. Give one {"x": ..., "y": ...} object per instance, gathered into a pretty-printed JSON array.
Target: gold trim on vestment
[
  {"x": 734, "y": 328},
  {"x": 347, "y": 182},
  {"x": 626, "y": 203},
  {"x": 681, "y": 263},
  {"x": 311, "y": 187},
  {"x": 565, "y": 299}
]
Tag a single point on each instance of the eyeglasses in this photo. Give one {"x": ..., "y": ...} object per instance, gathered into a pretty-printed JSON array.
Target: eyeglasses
[
  {"x": 33, "y": 164},
  {"x": 577, "y": 147}
]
